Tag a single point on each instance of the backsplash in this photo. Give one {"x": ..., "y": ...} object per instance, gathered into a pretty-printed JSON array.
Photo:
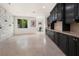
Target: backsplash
[
  {"x": 58, "y": 26},
  {"x": 74, "y": 27}
]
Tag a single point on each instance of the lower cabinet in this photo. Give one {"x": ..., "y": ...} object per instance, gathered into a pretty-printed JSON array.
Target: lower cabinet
[
  {"x": 77, "y": 46},
  {"x": 56, "y": 37},
  {"x": 72, "y": 46},
  {"x": 68, "y": 44},
  {"x": 63, "y": 43},
  {"x": 50, "y": 34}
]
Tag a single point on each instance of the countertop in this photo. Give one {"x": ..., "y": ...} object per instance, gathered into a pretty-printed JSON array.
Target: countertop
[{"x": 66, "y": 32}]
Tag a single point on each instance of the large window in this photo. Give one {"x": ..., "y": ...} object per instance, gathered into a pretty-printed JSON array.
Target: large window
[{"x": 22, "y": 23}]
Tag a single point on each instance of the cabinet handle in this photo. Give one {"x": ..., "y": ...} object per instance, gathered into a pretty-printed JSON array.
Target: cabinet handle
[
  {"x": 73, "y": 39},
  {"x": 76, "y": 39}
]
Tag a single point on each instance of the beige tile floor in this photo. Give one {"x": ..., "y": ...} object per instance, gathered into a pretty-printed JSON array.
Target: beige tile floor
[{"x": 29, "y": 45}]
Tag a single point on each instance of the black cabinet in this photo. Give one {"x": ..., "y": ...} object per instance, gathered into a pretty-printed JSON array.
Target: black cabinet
[
  {"x": 70, "y": 12},
  {"x": 50, "y": 18},
  {"x": 50, "y": 34},
  {"x": 63, "y": 43},
  {"x": 48, "y": 22},
  {"x": 77, "y": 12},
  {"x": 56, "y": 38},
  {"x": 53, "y": 15},
  {"x": 72, "y": 46},
  {"x": 55, "y": 12},
  {"x": 68, "y": 44},
  {"x": 60, "y": 11},
  {"x": 77, "y": 40}
]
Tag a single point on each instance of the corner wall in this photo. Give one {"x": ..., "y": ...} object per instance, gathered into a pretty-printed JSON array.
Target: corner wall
[{"x": 6, "y": 24}]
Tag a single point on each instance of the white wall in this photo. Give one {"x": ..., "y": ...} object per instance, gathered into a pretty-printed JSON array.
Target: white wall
[
  {"x": 18, "y": 12},
  {"x": 29, "y": 29},
  {"x": 24, "y": 30},
  {"x": 42, "y": 20},
  {"x": 6, "y": 30}
]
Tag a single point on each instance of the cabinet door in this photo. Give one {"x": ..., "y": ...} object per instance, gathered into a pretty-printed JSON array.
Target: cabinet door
[
  {"x": 78, "y": 8},
  {"x": 55, "y": 37},
  {"x": 70, "y": 12},
  {"x": 50, "y": 18},
  {"x": 50, "y": 34},
  {"x": 72, "y": 46},
  {"x": 77, "y": 46},
  {"x": 77, "y": 12},
  {"x": 63, "y": 43},
  {"x": 48, "y": 22},
  {"x": 53, "y": 17},
  {"x": 59, "y": 11},
  {"x": 55, "y": 12}
]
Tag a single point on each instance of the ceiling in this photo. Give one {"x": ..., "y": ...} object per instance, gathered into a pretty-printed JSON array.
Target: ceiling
[{"x": 29, "y": 9}]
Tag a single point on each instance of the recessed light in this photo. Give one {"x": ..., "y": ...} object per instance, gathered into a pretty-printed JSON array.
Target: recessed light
[
  {"x": 38, "y": 17},
  {"x": 44, "y": 7},
  {"x": 9, "y": 3}
]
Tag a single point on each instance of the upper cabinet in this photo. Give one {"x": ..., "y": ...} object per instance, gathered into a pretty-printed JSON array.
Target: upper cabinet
[
  {"x": 65, "y": 12},
  {"x": 60, "y": 11},
  {"x": 55, "y": 13},
  {"x": 48, "y": 22},
  {"x": 53, "y": 16},
  {"x": 77, "y": 12},
  {"x": 70, "y": 12}
]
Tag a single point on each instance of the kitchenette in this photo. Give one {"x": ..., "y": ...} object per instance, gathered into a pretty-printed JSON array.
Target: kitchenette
[{"x": 63, "y": 27}]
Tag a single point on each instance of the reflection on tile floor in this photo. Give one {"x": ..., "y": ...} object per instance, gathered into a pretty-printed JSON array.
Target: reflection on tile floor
[{"x": 29, "y": 45}]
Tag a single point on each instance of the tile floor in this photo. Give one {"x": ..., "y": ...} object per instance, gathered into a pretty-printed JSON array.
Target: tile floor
[{"x": 29, "y": 45}]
